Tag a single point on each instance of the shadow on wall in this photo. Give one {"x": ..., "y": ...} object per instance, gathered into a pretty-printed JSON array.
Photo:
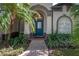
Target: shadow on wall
[{"x": 13, "y": 35}]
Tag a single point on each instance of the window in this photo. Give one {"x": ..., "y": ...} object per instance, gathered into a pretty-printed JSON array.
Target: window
[
  {"x": 64, "y": 25},
  {"x": 39, "y": 25}
]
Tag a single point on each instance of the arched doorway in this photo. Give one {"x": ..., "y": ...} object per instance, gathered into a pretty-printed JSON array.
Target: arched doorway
[
  {"x": 40, "y": 20},
  {"x": 39, "y": 23}
]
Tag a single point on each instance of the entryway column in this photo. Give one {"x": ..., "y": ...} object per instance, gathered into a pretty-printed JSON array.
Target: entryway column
[
  {"x": 49, "y": 25},
  {"x": 26, "y": 28}
]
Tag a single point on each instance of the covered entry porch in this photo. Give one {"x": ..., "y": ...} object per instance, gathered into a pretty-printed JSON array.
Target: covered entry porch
[{"x": 43, "y": 22}]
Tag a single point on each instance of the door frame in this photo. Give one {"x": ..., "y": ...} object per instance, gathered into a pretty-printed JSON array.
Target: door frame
[{"x": 36, "y": 28}]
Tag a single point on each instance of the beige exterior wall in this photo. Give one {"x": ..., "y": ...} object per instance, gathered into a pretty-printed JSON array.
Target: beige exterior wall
[
  {"x": 49, "y": 25},
  {"x": 48, "y": 20},
  {"x": 57, "y": 14},
  {"x": 47, "y": 5},
  {"x": 26, "y": 28}
]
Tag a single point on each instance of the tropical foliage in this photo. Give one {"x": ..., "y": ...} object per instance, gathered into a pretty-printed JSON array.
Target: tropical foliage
[
  {"x": 18, "y": 41},
  {"x": 65, "y": 52},
  {"x": 11, "y": 13},
  {"x": 58, "y": 41},
  {"x": 74, "y": 11}
]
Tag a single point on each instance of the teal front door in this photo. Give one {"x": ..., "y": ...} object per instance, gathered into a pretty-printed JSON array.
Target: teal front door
[{"x": 39, "y": 28}]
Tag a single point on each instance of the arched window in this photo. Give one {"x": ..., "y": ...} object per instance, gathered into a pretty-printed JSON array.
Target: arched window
[{"x": 64, "y": 25}]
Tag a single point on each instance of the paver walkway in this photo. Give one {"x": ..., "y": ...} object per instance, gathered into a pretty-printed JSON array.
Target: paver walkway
[{"x": 36, "y": 48}]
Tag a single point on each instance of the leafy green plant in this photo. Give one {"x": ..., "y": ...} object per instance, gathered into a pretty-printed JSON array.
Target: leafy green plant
[
  {"x": 20, "y": 40},
  {"x": 58, "y": 40},
  {"x": 74, "y": 11},
  {"x": 11, "y": 13},
  {"x": 65, "y": 52}
]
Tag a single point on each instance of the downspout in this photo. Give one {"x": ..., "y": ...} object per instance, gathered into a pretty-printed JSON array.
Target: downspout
[{"x": 52, "y": 19}]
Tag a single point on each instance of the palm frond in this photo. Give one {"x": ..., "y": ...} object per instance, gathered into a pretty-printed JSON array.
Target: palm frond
[{"x": 21, "y": 12}]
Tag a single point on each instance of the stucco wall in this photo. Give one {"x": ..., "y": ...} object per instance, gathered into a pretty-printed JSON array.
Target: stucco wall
[
  {"x": 57, "y": 14},
  {"x": 47, "y": 5},
  {"x": 26, "y": 28},
  {"x": 48, "y": 20},
  {"x": 49, "y": 25}
]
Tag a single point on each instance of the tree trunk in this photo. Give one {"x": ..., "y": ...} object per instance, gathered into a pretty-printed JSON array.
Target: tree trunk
[{"x": 10, "y": 31}]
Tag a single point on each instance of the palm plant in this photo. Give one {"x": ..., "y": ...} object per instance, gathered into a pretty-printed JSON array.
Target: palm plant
[
  {"x": 12, "y": 12},
  {"x": 74, "y": 11}
]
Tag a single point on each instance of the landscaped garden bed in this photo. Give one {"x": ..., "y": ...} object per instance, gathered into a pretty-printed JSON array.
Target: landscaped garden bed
[
  {"x": 64, "y": 52},
  {"x": 61, "y": 45},
  {"x": 59, "y": 41},
  {"x": 17, "y": 45},
  {"x": 11, "y": 52}
]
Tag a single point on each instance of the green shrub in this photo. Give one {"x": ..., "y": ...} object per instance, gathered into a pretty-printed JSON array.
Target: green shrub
[
  {"x": 65, "y": 52},
  {"x": 17, "y": 45},
  {"x": 75, "y": 41},
  {"x": 58, "y": 40},
  {"x": 18, "y": 41}
]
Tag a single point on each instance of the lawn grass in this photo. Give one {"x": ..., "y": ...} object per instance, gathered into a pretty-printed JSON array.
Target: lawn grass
[{"x": 65, "y": 52}]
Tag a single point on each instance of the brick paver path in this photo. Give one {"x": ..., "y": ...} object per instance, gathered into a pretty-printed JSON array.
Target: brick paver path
[{"x": 36, "y": 48}]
